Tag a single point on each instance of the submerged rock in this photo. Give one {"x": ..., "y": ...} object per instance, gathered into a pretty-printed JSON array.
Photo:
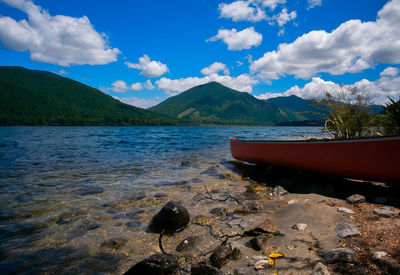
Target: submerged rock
[
  {"x": 188, "y": 243},
  {"x": 92, "y": 190},
  {"x": 219, "y": 211},
  {"x": 220, "y": 255},
  {"x": 344, "y": 230},
  {"x": 340, "y": 255},
  {"x": 171, "y": 218},
  {"x": 114, "y": 243},
  {"x": 163, "y": 264},
  {"x": 356, "y": 198},
  {"x": 204, "y": 269}
]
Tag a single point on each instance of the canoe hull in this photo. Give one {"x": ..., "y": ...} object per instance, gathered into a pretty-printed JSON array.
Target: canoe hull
[{"x": 369, "y": 158}]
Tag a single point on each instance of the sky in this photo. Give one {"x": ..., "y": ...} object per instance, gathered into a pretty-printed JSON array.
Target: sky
[{"x": 142, "y": 52}]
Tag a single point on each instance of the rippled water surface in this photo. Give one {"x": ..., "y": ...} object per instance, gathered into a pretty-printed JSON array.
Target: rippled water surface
[{"x": 65, "y": 191}]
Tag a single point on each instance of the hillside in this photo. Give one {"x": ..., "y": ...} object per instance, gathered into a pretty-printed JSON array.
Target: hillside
[
  {"x": 30, "y": 97},
  {"x": 215, "y": 103},
  {"x": 305, "y": 107}
]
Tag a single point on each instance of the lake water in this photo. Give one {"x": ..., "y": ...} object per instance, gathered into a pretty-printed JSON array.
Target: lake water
[{"x": 65, "y": 191}]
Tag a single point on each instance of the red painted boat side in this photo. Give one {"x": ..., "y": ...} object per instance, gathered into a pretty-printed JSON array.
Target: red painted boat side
[{"x": 370, "y": 158}]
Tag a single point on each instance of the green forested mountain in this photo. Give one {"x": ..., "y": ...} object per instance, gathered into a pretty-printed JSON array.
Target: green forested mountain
[
  {"x": 215, "y": 103},
  {"x": 304, "y": 107},
  {"x": 30, "y": 97}
]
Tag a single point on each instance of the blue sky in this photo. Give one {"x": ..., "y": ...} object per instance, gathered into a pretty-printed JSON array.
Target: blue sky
[{"x": 142, "y": 52}]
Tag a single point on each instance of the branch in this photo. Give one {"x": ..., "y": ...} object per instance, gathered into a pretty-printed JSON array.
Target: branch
[{"x": 208, "y": 195}]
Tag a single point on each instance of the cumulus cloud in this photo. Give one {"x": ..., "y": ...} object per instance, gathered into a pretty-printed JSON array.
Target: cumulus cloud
[
  {"x": 120, "y": 86},
  {"x": 255, "y": 11},
  {"x": 148, "y": 85},
  {"x": 378, "y": 91},
  {"x": 238, "y": 41},
  {"x": 60, "y": 40},
  {"x": 283, "y": 17},
  {"x": 139, "y": 102},
  {"x": 390, "y": 71},
  {"x": 149, "y": 68},
  {"x": 353, "y": 47},
  {"x": 314, "y": 3},
  {"x": 136, "y": 86},
  {"x": 215, "y": 68},
  {"x": 243, "y": 83}
]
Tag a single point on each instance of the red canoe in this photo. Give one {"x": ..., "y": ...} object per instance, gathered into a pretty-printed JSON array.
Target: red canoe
[{"x": 376, "y": 158}]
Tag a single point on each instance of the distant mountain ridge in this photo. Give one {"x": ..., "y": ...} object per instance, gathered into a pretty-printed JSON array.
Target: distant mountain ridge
[
  {"x": 216, "y": 104},
  {"x": 32, "y": 97}
]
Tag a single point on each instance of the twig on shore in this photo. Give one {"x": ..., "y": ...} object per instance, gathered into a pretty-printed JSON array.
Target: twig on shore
[
  {"x": 207, "y": 195},
  {"x": 160, "y": 242}
]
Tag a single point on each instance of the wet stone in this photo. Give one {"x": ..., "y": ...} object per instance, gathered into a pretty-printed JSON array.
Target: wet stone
[
  {"x": 344, "y": 230},
  {"x": 219, "y": 211},
  {"x": 197, "y": 180},
  {"x": 134, "y": 224},
  {"x": 114, "y": 243},
  {"x": 171, "y": 218},
  {"x": 188, "y": 243},
  {"x": 203, "y": 220},
  {"x": 160, "y": 195},
  {"x": 112, "y": 211},
  {"x": 221, "y": 255},
  {"x": 91, "y": 190},
  {"x": 137, "y": 196},
  {"x": 258, "y": 243},
  {"x": 204, "y": 269},
  {"x": 278, "y": 191},
  {"x": 340, "y": 255},
  {"x": 265, "y": 228},
  {"x": 356, "y": 198},
  {"x": 185, "y": 163},
  {"x": 320, "y": 269},
  {"x": 132, "y": 216},
  {"x": 383, "y": 213},
  {"x": 164, "y": 264}
]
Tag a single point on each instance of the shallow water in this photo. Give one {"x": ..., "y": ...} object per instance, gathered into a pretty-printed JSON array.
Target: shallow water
[{"x": 66, "y": 191}]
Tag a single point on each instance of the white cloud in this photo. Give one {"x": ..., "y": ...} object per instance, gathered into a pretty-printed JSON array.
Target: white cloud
[
  {"x": 353, "y": 47},
  {"x": 148, "y": 85},
  {"x": 241, "y": 11},
  {"x": 119, "y": 86},
  {"x": 215, "y": 68},
  {"x": 378, "y": 91},
  {"x": 390, "y": 71},
  {"x": 283, "y": 17},
  {"x": 255, "y": 11},
  {"x": 314, "y": 3},
  {"x": 149, "y": 68},
  {"x": 242, "y": 83},
  {"x": 60, "y": 40},
  {"x": 237, "y": 41},
  {"x": 136, "y": 86},
  {"x": 62, "y": 72},
  {"x": 139, "y": 102}
]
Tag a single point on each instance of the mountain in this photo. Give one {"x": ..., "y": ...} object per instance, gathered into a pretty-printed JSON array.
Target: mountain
[
  {"x": 31, "y": 97},
  {"x": 304, "y": 107},
  {"x": 215, "y": 103}
]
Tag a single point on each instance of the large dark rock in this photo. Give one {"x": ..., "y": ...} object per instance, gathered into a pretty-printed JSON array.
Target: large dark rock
[
  {"x": 258, "y": 243},
  {"x": 343, "y": 254},
  {"x": 344, "y": 230},
  {"x": 171, "y": 218},
  {"x": 157, "y": 264},
  {"x": 221, "y": 255}
]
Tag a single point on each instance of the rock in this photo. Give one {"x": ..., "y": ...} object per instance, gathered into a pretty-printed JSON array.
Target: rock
[
  {"x": 379, "y": 255},
  {"x": 219, "y": 211},
  {"x": 258, "y": 243},
  {"x": 320, "y": 269},
  {"x": 134, "y": 224},
  {"x": 292, "y": 201},
  {"x": 345, "y": 210},
  {"x": 290, "y": 246},
  {"x": 236, "y": 254},
  {"x": 383, "y": 213},
  {"x": 343, "y": 254},
  {"x": 204, "y": 269},
  {"x": 245, "y": 271},
  {"x": 356, "y": 198},
  {"x": 160, "y": 195},
  {"x": 220, "y": 255},
  {"x": 265, "y": 228},
  {"x": 92, "y": 190},
  {"x": 155, "y": 264},
  {"x": 344, "y": 230},
  {"x": 185, "y": 163},
  {"x": 114, "y": 243},
  {"x": 188, "y": 243},
  {"x": 197, "y": 180},
  {"x": 300, "y": 226},
  {"x": 262, "y": 264},
  {"x": 171, "y": 218},
  {"x": 278, "y": 191}
]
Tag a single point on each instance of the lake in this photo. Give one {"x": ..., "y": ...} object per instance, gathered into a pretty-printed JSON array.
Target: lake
[{"x": 65, "y": 192}]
